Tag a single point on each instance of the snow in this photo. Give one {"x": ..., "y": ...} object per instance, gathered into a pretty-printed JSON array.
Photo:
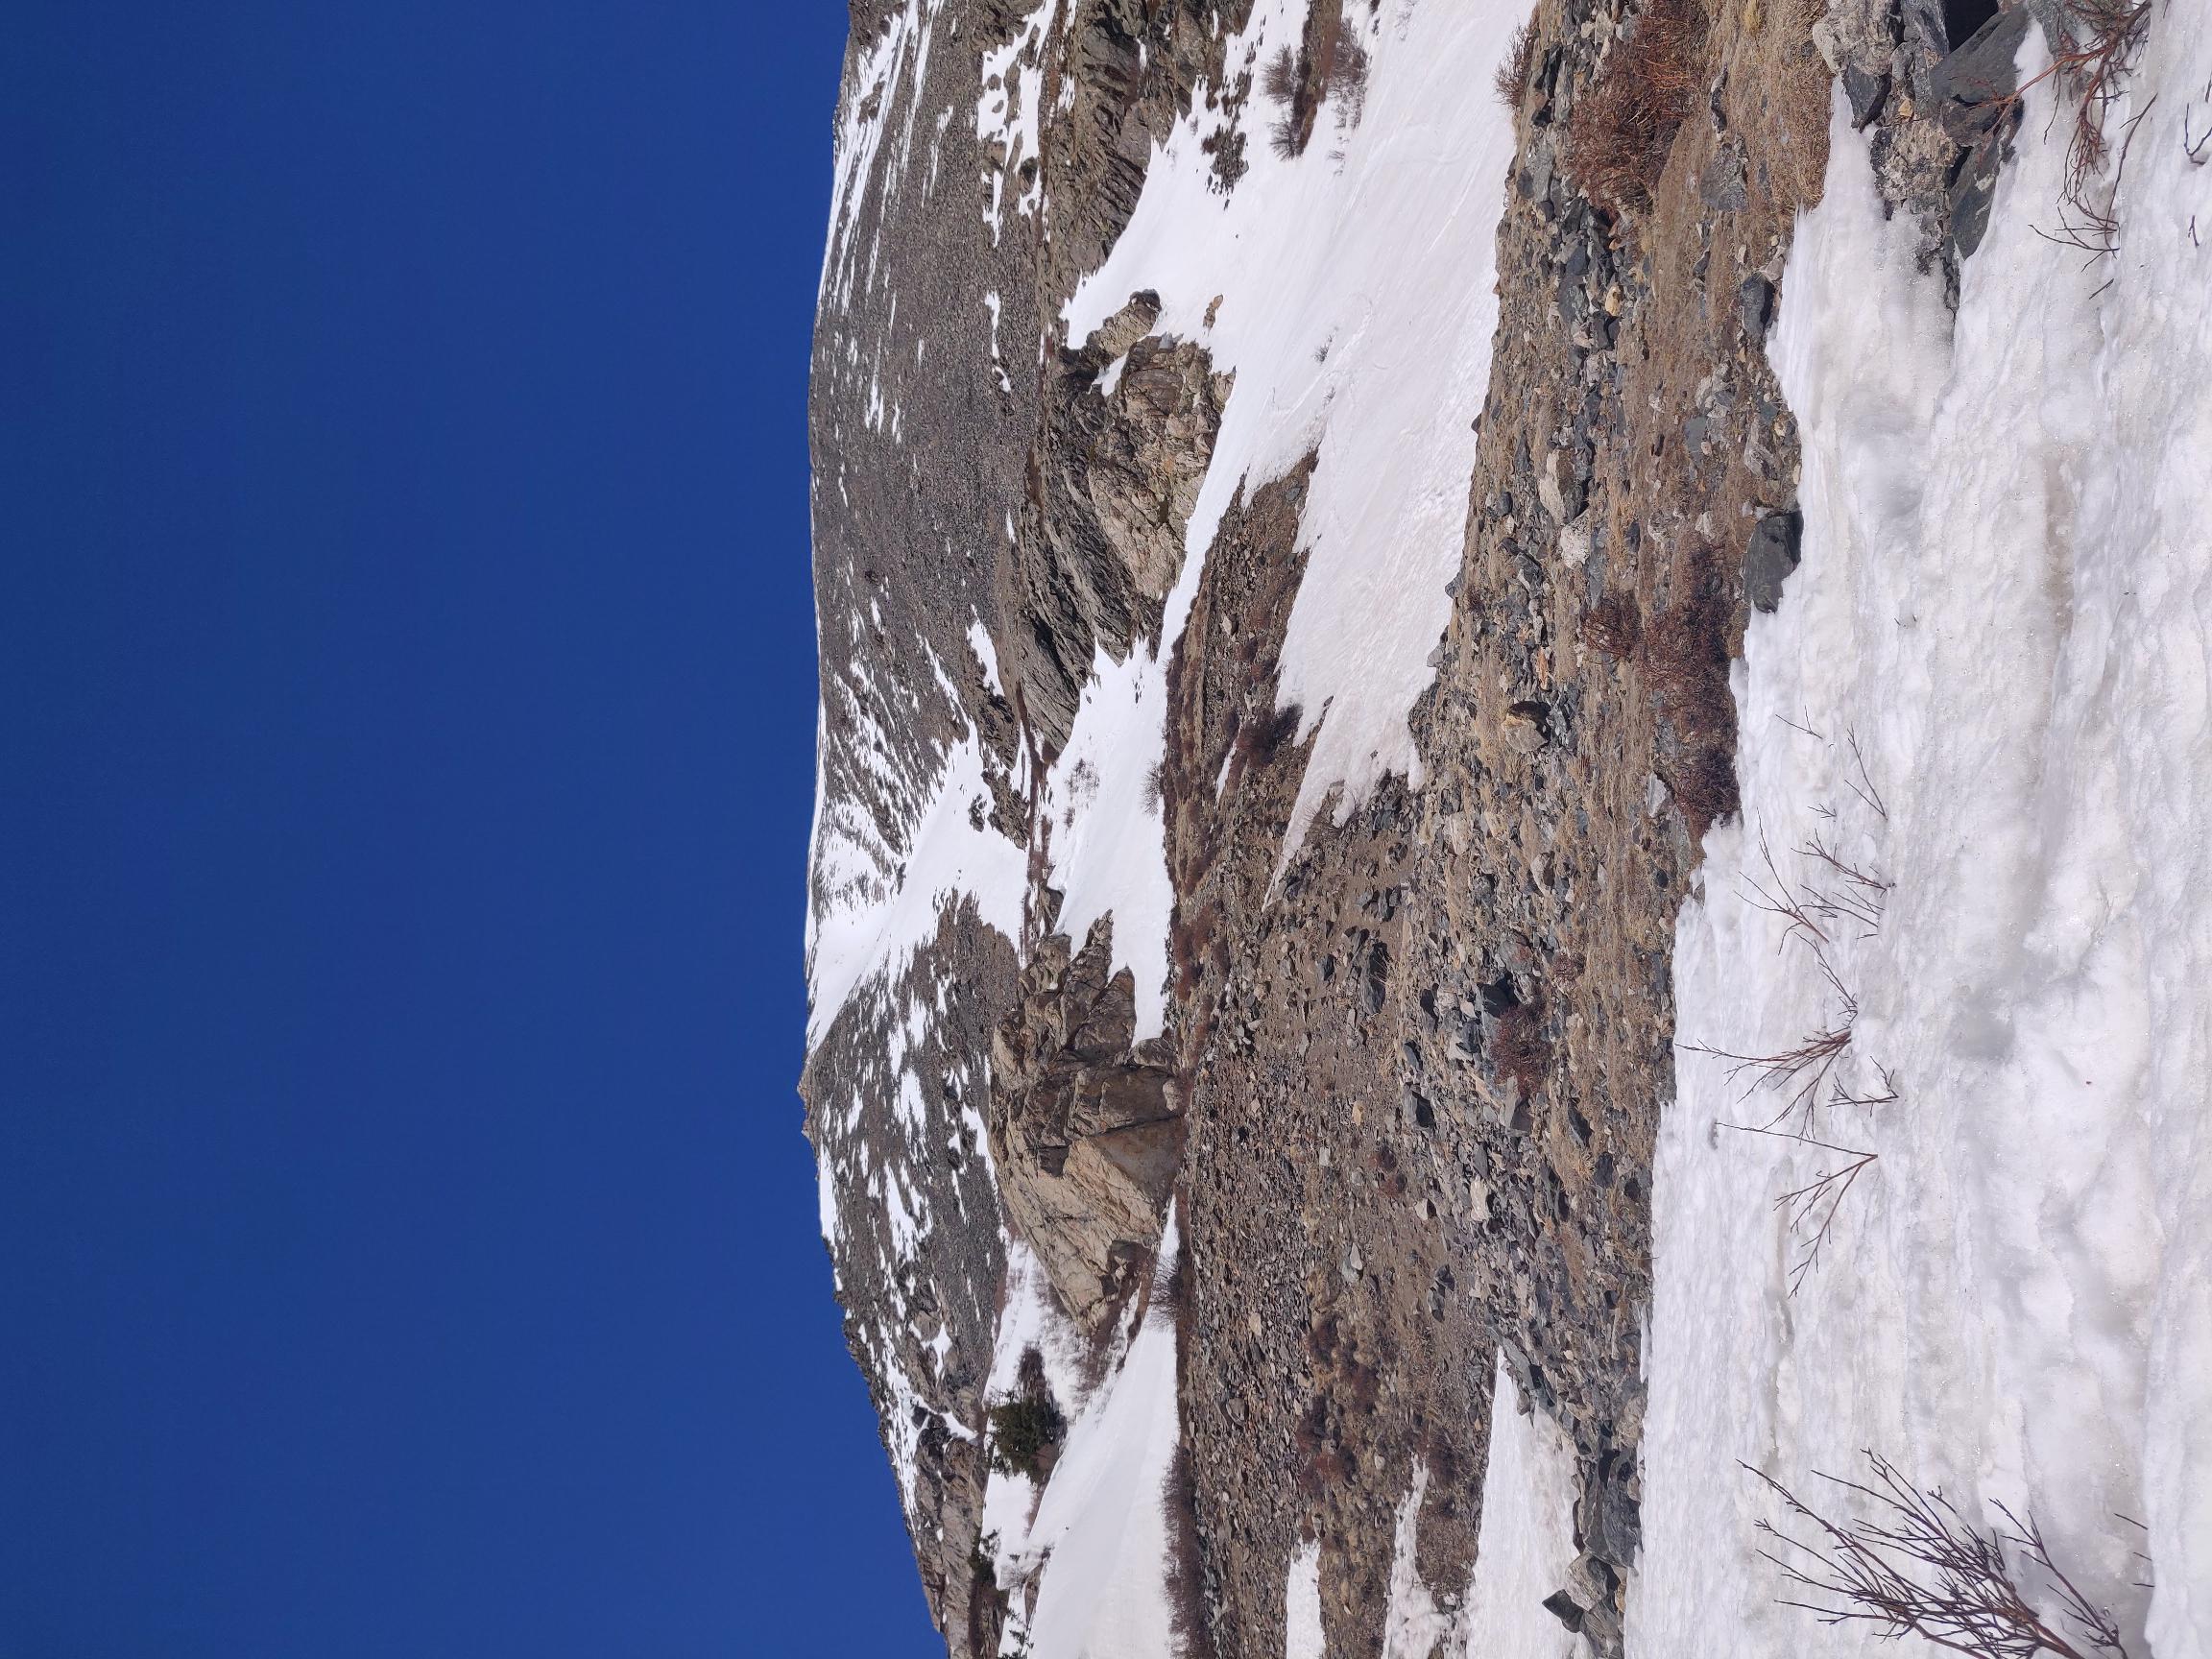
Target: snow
[
  {"x": 1302, "y": 1633},
  {"x": 1107, "y": 836},
  {"x": 1008, "y": 115},
  {"x": 1356, "y": 308},
  {"x": 2006, "y": 599},
  {"x": 1522, "y": 1554},
  {"x": 1028, "y": 1318},
  {"x": 860, "y": 134},
  {"x": 878, "y": 910},
  {"x": 1100, "y": 1532},
  {"x": 1413, "y": 1625},
  {"x": 986, "y": 655},
  {"x": 826, "y": 1200},
  {"x": 1527, "y": 1543},
  {"x": 993, "y": 304}
]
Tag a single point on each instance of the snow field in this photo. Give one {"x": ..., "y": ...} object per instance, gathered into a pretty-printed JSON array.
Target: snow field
[
  {"x": 883, "y": 904},
  {"x": 1106, "y": 834},
  {"x": 1096, "y": 1547},
  {"x": 2006, "y": 599},
  {"x": 1357, "y": 304},
  {"x": 1356, "y": 301}
]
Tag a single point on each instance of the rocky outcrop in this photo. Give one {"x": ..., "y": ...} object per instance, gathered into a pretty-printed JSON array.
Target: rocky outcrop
[
  {"x": 1086, "y": 1126},
  {"x": 1414, "y": 1065},
  {"x": 1128, "y": 429}
]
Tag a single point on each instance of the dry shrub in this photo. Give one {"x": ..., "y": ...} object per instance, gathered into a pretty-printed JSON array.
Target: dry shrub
[
  {"x": 1685, "y": 653},
  {"x": 1622, "y": 126},
  {"x": 1187, "y": 1620},
  {"x": 1518, "y": 1051},
  {"x": 2101, "y": 40},
  {"x": 1344, "y": 69},
  {"x": 1331, "y": 64},
  {"x": 1614, "y": 625},
  {"x": 1703, "y": 784},
  {"x": 1259, "y": 741},
  {"x": 1916, "y": 1566},
  {"x": 1511, "y": 83}
]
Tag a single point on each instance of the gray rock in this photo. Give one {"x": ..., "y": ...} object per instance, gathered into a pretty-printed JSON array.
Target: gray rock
[
  {"x": 1866, "y": 91},
  {"x": 1723, "y": 184},
  {"x": 1771, "y": 558},
  {"x": 1982, "y": 71},
  {"x": 1972, "y": 197},
  {"x": 1566, "y": 1609},
  {"x": 1755, "y": 304}
]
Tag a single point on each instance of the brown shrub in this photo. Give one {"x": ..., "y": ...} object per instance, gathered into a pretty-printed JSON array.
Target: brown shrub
[
  {"x": 1188, "y": 942},
  {"x": 1916, "y": 1564},
  {"x": 1187, "y": 1615},
  {"x": 1518, "y": 1051},
  {"x": 1705, "y": 788},
  {"x": 1343, "y": 70},
  {"x": 1333, "y": 63},
  {"x": 1259, "y": 741},
  {"x": 1614, "y": 625},
  {"x": 1685, "y": 652},
  {"x": 1623, "y": 126},
  {"x": 1511, "y": 83}
]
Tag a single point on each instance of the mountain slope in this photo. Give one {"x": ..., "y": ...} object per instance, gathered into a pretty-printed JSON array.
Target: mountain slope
[{"x": 1289, "y": 516}]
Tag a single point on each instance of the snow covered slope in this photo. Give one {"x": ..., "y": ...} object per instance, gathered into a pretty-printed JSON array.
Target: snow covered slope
[
  {"x": 1305, "y": 1105},
  {"x": 1350, "y": 290},
  {"x": 1990, "y": 688}
]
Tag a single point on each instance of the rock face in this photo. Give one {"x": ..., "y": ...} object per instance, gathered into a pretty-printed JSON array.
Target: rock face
[
  {"x": 1129, "y": 422},
  {"x": 1086, "y": 1128},
  {"x": 1405, "y": 1099}
]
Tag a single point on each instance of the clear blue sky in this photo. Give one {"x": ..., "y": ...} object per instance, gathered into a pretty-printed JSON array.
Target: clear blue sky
[{"x": 407, "y": 1246}]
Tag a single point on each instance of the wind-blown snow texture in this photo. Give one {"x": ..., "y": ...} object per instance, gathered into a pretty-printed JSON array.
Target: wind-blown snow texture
[
  {"x": 1095, "y": 1540},
  {"x": 2006, "y": 596},
  {"x": 1990, "y": 681},
  {"x": 1357, "y": 304}
]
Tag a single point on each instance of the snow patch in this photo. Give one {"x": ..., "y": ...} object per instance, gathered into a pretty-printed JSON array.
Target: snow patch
[
  {"x": 2006, "y": 599},
  {"x": 1357, "y": 305},
  {"x": 1303, "y": 1637},
  {"x": 1100, "y": 1533},
  {"x": 1526, "y": 1544},
  {"x": 1106, "y": 843},
  {"x": 877, "y": 910},
  {"x": 1413, "y": 1625},
  {"x": 1008, "y": 116}
]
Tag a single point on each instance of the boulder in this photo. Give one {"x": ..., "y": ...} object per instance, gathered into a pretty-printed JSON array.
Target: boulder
[
  {"x": 1085, "y": 1125},
  {"x": 1983, "y": 70},
  {"x": 1771, "y": 556}
]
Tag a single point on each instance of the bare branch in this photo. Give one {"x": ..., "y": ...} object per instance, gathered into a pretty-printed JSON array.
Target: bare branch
[{"x": 1916, "y": 1566}]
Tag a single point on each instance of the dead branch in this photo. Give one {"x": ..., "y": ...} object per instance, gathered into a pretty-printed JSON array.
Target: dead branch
[
  {"x": 1818, "y": 1200},
  {"x": 1861, "y": 899},
  {"x": 1864, "y": 789},
  {"x": 2101, "y": 40},
  {"x": 1916, "y": 1566},
  {"x": 1800, "y": 1071}
]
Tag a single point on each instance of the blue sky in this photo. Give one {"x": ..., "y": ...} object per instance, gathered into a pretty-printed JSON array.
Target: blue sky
[{"x": 407, "y": 1246}]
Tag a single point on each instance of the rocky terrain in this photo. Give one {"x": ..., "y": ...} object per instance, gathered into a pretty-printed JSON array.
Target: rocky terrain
[{"x": 1402, "y": 1072}]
